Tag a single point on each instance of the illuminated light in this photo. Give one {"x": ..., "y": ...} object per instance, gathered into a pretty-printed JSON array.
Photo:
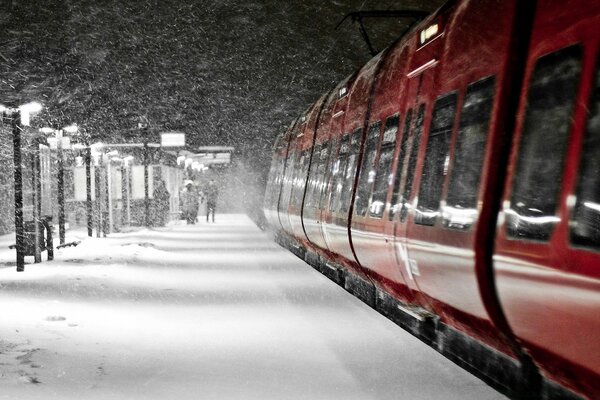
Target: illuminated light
[
  {"x": 343, "y": 91},
  {"x": 459, "y": 216},
  {"x": 371, "y": 176},
  {"x": 180, "y": 160},
  {"x": 422, "y": 68},
  {"x": 71, "y": 128},
  {"x": 337, "y": 114},
  {"x": 79, "y": 161},
  {"x": 427, "y": 214},
  {"x": 429, "y": 33},
  {"x": 52, "y": 142},
  {"x": 3, "y": 108},
  {"x": 188, "y": 162},
  {"x": 46, "y": 130},
  {"x": 571, "y": 200},
  {"x": 172, "y": 139},
  {"x": 593, "y": 206},
  {"x": 32, "y": 107},
  {"x": 546, "y": 219},
  {"x": 128, "y": 158},
  {"x": 376, "y": 207}
]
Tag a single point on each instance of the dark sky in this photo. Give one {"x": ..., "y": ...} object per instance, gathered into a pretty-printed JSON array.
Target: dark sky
[{"x": 225, "y": 72}]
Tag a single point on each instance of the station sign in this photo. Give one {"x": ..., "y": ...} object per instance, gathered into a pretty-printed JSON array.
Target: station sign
[{"x": 172, "y": 139}]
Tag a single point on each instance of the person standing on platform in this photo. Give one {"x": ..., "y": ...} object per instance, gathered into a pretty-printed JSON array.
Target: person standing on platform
[
  {"x": 188, "y": 201},
  {"x": 212, "y": 193}
]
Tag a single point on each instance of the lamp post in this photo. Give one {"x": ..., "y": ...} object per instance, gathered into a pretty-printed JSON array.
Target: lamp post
[
  {"x": 60, "y": 178},
  {"x": 19, "y": 117}
]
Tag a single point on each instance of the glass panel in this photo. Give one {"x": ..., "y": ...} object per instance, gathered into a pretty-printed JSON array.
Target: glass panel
[
  {"x": 326, "y": 192},
  {"x": 339, "y": 168},
  {"x": 412, "y": 163},
  {"x": 435, "y": 165},
  {"x": 367, "y": 170},
  {"x": 350, "y": 171},
  {"x": 538, "y": 176},
  {"x": 585, "y": 221},
  {"x": 460, "y": 211},
  {"x": 383, "y": 179},
  {"x": 395, "y": 208},
  {"x": 300, "y": 179},
  {"x": 312, "y": 180}
]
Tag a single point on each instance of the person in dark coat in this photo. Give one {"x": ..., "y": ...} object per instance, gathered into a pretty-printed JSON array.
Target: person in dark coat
[
  {"x": 188, "y": 200},
  {"x": 212, "y": 193}
]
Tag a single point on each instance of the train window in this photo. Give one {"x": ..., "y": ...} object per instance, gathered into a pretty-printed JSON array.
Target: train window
[
  {"x": 320, "y": 182},
  {"x": 294, "y": 157},
  {"x": 320, "y": 165},
  {"x": 538, "y": 175},
  {"x": 325, "y": 192},
  {"x": 337, "y": 178},
  {"x": 403, "y": 148},
  {"x": 436, "y": 160},
  {"x": 585, "y": 221},
  {"x": 412, "y": 163},
  {"x": 300, "y": 179},
  {"x": 460, "y": 211},
  {"x": 367, "y": 170},
  {"x": 383, "y": 179},
  {"x": 350, "y": 172},
  {"x": 313, "y": 173}
]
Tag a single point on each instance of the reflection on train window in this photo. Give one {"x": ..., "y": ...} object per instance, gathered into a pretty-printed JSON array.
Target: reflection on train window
[
  {"x": 312, "y": 180},
  {"x": 412, "y": 163},
  {"x": 460, "y": 211},
  {"x": 350, "y": 171},
  {"x": 538, "y": 176},
  {"x": 367, "y": 170},
  {"x": 325, "y": 192},
  {"x": 300, "y": 179},
  {"x": 436, "y": 156},
  {"x": 287, "y": 180},
  {"x": 395, "y": 208},
  {"x": 585, "y": 221},
  {"x": 383, "y": 177},
  {"x": 337, "y": 178},
  {"x": 321, "y": 163}
]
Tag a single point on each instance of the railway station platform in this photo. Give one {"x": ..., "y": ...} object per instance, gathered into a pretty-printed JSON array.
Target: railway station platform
[{"x": 205, "y": 311}]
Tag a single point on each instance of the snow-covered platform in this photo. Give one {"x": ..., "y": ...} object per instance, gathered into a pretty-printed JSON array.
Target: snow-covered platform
[{"x": 207, "y": 311}]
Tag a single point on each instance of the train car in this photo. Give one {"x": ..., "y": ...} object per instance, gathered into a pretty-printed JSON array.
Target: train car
[{"x": 452, "y": 185}]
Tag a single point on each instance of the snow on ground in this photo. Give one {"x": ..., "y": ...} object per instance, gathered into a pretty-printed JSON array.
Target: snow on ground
[{"x": 208, "y": 311}]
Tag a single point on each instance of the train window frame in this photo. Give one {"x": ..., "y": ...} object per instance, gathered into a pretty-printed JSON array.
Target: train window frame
[
  {"x": 337, "y": 180},
  {"x": 299, "y": 186},
  {"x": 326, "y": 190},
  {"x": 350, "y": 173},
  {"x": 379, "y": 191},
  {"x": 396, "y": 195},
  {"x": 588, "y": 162},
  {"x": 460, "y": 211},
  {"x": 415, "y": 137},
  {"x": 366, "y": 174},
  {"x": 531, "y": 214},
  {"x": 435, "y": 162},
  {"x": 312, "y": 173},
  {"x": 324, "y": 153}
]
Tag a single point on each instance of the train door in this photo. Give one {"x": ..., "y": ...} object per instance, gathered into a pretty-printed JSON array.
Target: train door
[{"x": 419, "y": 84}]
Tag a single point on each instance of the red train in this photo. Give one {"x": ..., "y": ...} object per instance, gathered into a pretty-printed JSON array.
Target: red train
[{"x": 453, "y": 184}]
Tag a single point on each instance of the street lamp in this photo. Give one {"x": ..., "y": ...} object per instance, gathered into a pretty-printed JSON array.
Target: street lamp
[
  {"x": 20, "y": 116},
  {"x": 61, "y": 142}
]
